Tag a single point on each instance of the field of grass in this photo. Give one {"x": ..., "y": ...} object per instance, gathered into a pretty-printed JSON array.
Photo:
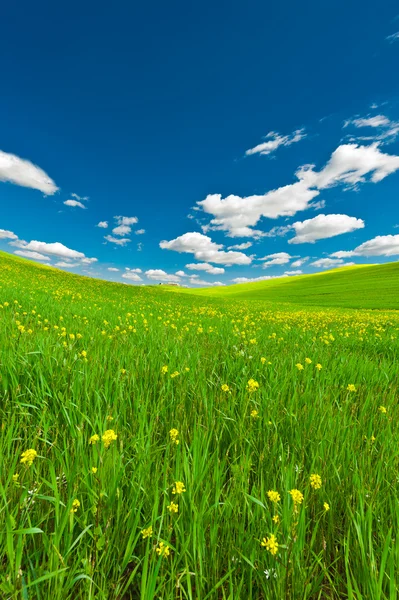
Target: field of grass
[
  {"x": 157, "y": 423},
  {"x": 362, "y": 286}
]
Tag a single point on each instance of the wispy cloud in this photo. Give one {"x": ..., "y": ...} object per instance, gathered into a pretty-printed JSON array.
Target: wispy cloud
[
  {"x": 274, "y": 140},
  {"x": 19, "y": 171}
]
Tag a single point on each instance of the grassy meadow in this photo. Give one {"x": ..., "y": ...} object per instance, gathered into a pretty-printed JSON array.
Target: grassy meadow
[{"x": 220, "y": 445}]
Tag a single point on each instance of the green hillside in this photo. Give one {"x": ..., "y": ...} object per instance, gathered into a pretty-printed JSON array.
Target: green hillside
[{"x": 365, "y": 286}]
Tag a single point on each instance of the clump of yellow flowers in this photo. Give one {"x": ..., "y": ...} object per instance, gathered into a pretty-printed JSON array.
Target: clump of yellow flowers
[
  {"x": 75, "y": 506},
  {"x": 28, "y": 457},
  {"x": 225, "y": 387},
  {"x": 108, "y": 437},
  {"x": 178, "y": 488},
  {"x": 173, "y": 507},
  {"x": 296, "y": 496},
  {"x": 174, "y": 434},
  {"x": 315, "y": 481},
  {"x": 273, "y": 496},
  {"x": 163, "y": 549},
  {"x": 351, "y": 387},
  {"x": 146, "y": 533},
  {"x": 94, "y": 439},
  {"x": 270, "y": 544},
  {"x": 252, "y": 385}
]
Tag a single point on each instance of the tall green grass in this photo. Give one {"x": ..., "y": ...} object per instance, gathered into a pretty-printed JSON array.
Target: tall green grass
[{"x": 58, "y": 389}]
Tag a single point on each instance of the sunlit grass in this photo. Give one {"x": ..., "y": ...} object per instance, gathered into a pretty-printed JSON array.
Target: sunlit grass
[{"x": 203, "y": 397}]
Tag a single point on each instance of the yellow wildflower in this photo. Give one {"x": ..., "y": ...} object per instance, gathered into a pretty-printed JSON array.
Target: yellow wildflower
[
  {"x": 315, "y": 481},
  {"x": 94, "y": 439},
  {"x": 351, "y": 387},
  {"x": 254, "y": 414},
  {"x": 178, "y": 488},
  {"x": 382, "y": 409},
  {"x": 276, "y": 519},
  {"x": 75, "y": 506},
  {"x": 164, "y": 369},
  {"x": 175, "y": 374},
  {"x": 297, "y": 496},
  {"x": 308, "y": 361},
  {"x": 273, "y": 496},
  {"x": 262, "y": 360},
  {"x": 270, "y": 544},
  {"x": 163, "y": 549},
  {"x": 225, "y": 387},
  {"x": 94, "y": 470},
  {"x": 252, "y": 385},
  {"x": 108, "y": 437},
  {"x": 146, "y": 533},
  {"x": 319, "y": 367},
  {"x": 28, "y": 457},
  {"x": 173, "y": 433},
  {"x": 326, "y": 506},
  {"x": 173, "y": 507},
  {"x": 299, "y": 367}
]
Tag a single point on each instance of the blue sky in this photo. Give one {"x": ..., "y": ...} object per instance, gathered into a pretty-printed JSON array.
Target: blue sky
[{"x": 243, "y": 140}]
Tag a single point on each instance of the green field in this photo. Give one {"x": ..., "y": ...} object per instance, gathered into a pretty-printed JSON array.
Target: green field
[{"x": 279, "y": 386}]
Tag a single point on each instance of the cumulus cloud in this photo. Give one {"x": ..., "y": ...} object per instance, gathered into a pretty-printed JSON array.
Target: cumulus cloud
[
  {"x": 102, "y": 224},
  {"x": 382, "y": 245},
  {"x": 324, "y": 226},
  {"x": 114, "y": 269},
  {"x": 64, "y": 264},
  {"x": 181, "y": 274},
  {"x": 133, "y": 270},
  {"x": 7, "y": 235},
  {"x": 296, "y": 272},
  {"x": 140, "y": 232},
  {"x": 117, "y": 241},
  {"x": 205, "y": 250},
  {"x": 349, "y": 165},
  {"x": 327, "y": 263},
  {"x": 75, "y": 203},
  {"x": 205, "y": 267},
  {"x": 22, "y": 172},
  {"x": 160, "y": 275},
  {"x": 124, "y": 225},
  {"x": 32, "y": 255},
  {"x": 205, "y": 283},
  {"x": 274, "y": 140},
  {"x": 131, "y": 276},
  {"x": 300, "y": 262},
  {"x": 54, "y": 249},
  {"x": 279, "y": 258},
  {"x": 243, "y": 246},
  {"x": 252, "y": 279}
]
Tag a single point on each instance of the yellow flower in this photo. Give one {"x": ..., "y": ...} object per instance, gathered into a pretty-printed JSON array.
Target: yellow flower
[
  {"x": 382, "y": 409},
  {"x": 263, "y": 360},
  {"x": 252, "y": 385},
  {"x": 83, "y": 353},
  {"x": 109, "y": 418},
  {"x": 108, "y": 437},
  {"x": 273, "y": 496},
  {"x": 315, "y": 481},
  {"x": 163, "y": 549},
  {"x": 28, "y": 457},
  {"x": 319, "y": 367},
  {"x": 308, "y": 361},
  {"x": 351, "y": 387},
  {"x": 173, "y": 508},
  {"x": 254, "y": 414},
  {"x": 175, "y": 374},
  {"x": 178, "y": 488},
  {"x": 164, "y": 369},
  {"x": 326, "y": 506},
  {"x": 146, "y": 533},
  {"x": 94, "y": 470},
  {"x": 297, "y": 496},
  {"x": 299, "y": 367},
  {"x": 270, "y": 544},
  {"x": 15, "y": 478},
  {"x": 94, "y": 439},
  {"x": 173, "y": 433},
  {"x": 276, "y": 519},
  {"x": 123, "y": 371},
  {"x": 225, "y": 387},
  {"x": 75, "y": 506}
]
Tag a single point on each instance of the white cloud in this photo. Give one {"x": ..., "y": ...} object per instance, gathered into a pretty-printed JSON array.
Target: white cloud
[
  {"x": 140, "y": 232},
  {"x": 299, "y": 262},
  {"x": 382, "y": 245},
  {"x": 349, "y": 165},
  {"x": 102, "y": 224},
  {"x": 133, "y": 270},
  {"x": 113, "y": 269},
  {"x": 205, "y": 267},
  {"x": 205, "y": 283},
  {"x": 53, "y": 249},
  {"x": 75, "y": 203},
  {"x": 296, "y": 272},
  {"x": 160, "y": 275},
  {"x": 374, "y": 121},
  {"x": 124, "y": 225},
  {"x": 323, "y": 227},
  {"x": 131, "y": 276},
  {"x": 64, "y": 264},
  {"x": 7, "y": 235},
  {"x": 279, "y": 258},
  {"x": 274, "y": 140},
  {"x": 32, "y": 255},
  {"x": 181, "y": 274},
  {"x": 393, "y": 37},
  {"x": 88, "y": 261},
  {"x": 326, "y": 263},
  {"x": 77, "y": 197},
  {"x": 252, "y": 279},
  {"x": 205, "y": 250},
  {"x": 22, "y": 172},
  {"x": 118, "y": 241},
  {"x": 243, "y": 246}
]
